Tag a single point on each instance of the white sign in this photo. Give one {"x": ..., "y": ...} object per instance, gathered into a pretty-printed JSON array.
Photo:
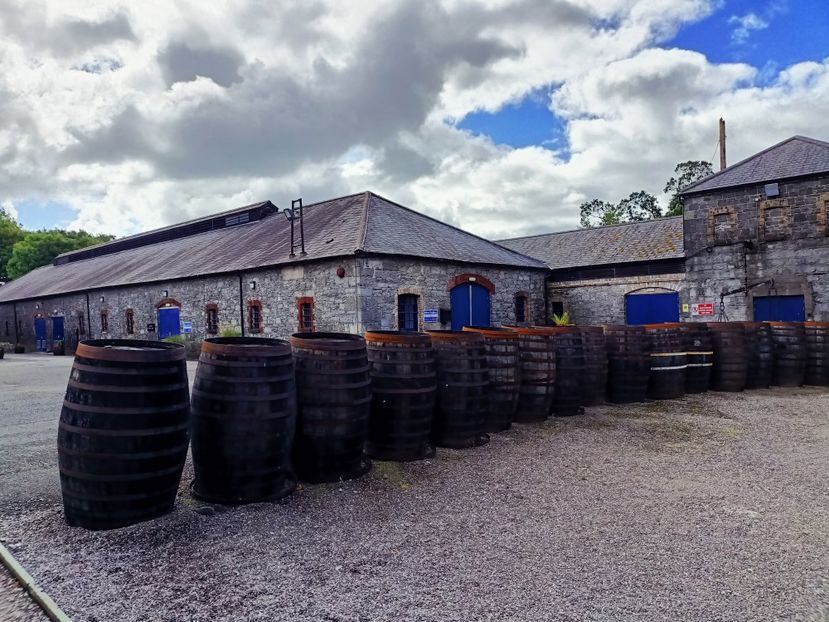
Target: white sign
[
  {"x": 430, "y": 315},
  {"x": 187, "y": 327}
]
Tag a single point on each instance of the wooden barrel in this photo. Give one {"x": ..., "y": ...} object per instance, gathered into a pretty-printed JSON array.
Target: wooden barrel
[
  {"x": 629, "y": 364},
  {"x": 463, "y": 388},
  {"x": 760, "y": 352},
  {"x": 817, "y": 353},
  {"x": 668, "y": 361},
  {"x": 502, "y": 363},
  {"x": 403, "y": 386},
  {"x": 789, "y": 340},
  {"x": 730, "y": 369},
  {"x": 569, "y": 370},
  {"x": 594, "y": 380},
  {"x": 697, "y": 343},
  {"x": 334, "y": 405},
  {"x": 537, "y": 371},
  {"x": 243, "y": 420},
  {"x": 123, "y": 432}
]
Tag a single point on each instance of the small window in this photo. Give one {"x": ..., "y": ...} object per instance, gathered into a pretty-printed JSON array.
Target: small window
[
  {"x": 520, "y": 308},
  {"x": 255, "y": 316},
  {"x": 557, "y": 307},
  {"x": 212, "y": 319},
  {"x": 104, "y": 322},
  {"x": 305, "y": 314},
  {"x": 407, "y": 312},
  {"x": 130, "y": 322},
  {"x": 81, "y": 324}
]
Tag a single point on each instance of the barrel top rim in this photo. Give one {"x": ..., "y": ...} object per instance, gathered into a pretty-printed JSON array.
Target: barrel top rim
[
  {"x": 817, "y": 324},
  {"x": 454, "y": 335},
  {"x": 130, "y": 350},
  {"x": 663, "y": 325},
  {"x": 498, "y": 332},
  {"x": 245, "y": 345},
  {"x": 397, "y": 336}
]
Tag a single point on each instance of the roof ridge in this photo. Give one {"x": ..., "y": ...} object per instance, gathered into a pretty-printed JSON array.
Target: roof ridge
[
  {"x": 446, "y": 224},
  {"x": 618, "y": 224}
]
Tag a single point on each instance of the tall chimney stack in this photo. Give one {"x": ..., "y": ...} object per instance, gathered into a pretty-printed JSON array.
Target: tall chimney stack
[{"x": 722, "y": 144}]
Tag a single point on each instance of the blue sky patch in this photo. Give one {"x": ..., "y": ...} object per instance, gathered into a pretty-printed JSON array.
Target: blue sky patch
[{"x": 35, "y": 214}]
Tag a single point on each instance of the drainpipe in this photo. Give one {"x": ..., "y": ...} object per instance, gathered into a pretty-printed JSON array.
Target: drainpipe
[
  {"x": 16, "y": 331},
  {"x": 546, "y": 300},
  {"x": 88, "y": 318},
  {"x": 358, "y": 308},
  {"x": 241, "y": 305}
]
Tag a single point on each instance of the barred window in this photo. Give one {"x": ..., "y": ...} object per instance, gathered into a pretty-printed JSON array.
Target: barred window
[
  {"x": 305, "y": 314},
  {"x": 212, "y": 319},
  {"x": 130, "y": 322},
  {"x": 407, "y": 312},
  {"x": 520, "y": 308},
  {"x": 104, "y": 322},
  {"x": 255, "y": 316}
]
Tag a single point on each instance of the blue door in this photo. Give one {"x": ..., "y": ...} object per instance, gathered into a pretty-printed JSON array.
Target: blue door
[
  {"x": 652, "y": 308},
  {"x": 168, "y": 322},
  {"x": 779, "y": 309},
  {"x": 470, "y": 305},
  {"x": 40, "y": 333},
  {"x": 57, "y": 330}
]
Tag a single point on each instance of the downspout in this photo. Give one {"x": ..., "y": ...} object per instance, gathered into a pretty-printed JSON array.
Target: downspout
[
  {"x": 546, "y": 300},
  {"x": 241, "y": 305},
  {"x": 16, "y": 331},
  {"x": 358, "y": 309},
  {"x": 88, "y": 318}
]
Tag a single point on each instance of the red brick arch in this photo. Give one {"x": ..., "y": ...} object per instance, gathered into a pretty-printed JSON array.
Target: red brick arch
[
  {"x": 468, "y": 277},
  {"x": 168, "y": 302}
]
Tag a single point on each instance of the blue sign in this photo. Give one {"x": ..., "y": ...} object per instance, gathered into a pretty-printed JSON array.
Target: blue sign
[
  {"x": 187, "y": 327},
  {"x": 430, "y": 315}
]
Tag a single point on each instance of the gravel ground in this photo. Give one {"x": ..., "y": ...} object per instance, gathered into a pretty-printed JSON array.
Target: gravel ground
[
  {"x": 15, "y": 604},
  {"x": 712, "y": 507}
]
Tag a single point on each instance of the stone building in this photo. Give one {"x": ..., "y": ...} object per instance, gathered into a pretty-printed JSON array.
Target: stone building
[
  {"x": 756, "y": 236},
  {"x": 633, "y": 272},
  {"x": 359, "y": 262}
]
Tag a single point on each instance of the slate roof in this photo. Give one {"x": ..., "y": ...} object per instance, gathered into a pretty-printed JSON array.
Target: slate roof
[
  {"x": 794, "y": 157},
  {"x": 359, "y": 223},
  {"x": 647, "y": 240}
]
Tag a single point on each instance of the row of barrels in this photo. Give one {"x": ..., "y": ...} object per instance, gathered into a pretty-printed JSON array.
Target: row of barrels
[{"x": 265, "y": 412}]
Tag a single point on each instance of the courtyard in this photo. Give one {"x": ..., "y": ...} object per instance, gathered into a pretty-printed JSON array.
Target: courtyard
[{"x": 712, "y": 507}]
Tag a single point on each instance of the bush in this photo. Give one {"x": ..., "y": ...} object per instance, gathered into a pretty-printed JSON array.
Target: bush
[
  {"x": 175, "y": 339},
  {"x": 230, "y": 331}
]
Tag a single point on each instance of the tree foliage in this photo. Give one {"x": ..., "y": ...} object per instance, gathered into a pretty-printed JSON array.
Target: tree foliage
[
  {"x": 10, "y": 234},
  {"x": 597, "y": 213},
  {"x": 685, "y": 173},
  {"x": 38, "y": 248}
]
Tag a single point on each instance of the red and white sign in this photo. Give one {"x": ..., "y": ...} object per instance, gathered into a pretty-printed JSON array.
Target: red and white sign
[{"x": 702, "y": 308}]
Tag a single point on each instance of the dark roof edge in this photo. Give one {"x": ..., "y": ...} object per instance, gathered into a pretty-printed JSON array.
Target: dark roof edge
[
  {"x": 756, "y": 183},
  {"x": 690, "y": 188},
  {"x": 446, "y": 224},
  {"x": 619, "y": 263},
  {"x": 621, "y": 224}
]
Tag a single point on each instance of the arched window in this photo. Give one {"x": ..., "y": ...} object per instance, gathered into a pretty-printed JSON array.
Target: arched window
[
  {"x": 130, "y": 322},
  {"x": 212, "y": 319},
  {"x": 305, "y": 314},
  {"x": 521, "y": 308},
  {"x": 407, "y": 312},
  {"x": 104, "y": 322},
  {"x": 255, "y": 316}
]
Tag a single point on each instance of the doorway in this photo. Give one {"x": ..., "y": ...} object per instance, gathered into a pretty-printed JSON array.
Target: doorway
[
  {"x": 470, "y": 305},
  {"x": 169, "y": 322}
]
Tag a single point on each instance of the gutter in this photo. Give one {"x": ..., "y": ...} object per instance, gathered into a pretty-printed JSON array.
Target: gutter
[{"x": 28, "y": 584}]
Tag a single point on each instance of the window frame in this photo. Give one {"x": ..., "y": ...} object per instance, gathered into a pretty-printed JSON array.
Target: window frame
[
  {"x": 130, "y": 321},
  {"x": 302, "y": 303},
  {"x": 211, "y": 320},
  {"x": 416, "y": 300},
  {"x": 81, "y": 323},
  {"x": 104, "y": 321},
  {"x": 524, "y": 299},
  {"x": 255, "y": 329}
]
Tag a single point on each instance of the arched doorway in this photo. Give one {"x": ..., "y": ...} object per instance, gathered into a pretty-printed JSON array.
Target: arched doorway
[
  {"x": 651, "y": 308},
  {"x": 169, "y": 318},
  {"x": 470, "y": 305}
]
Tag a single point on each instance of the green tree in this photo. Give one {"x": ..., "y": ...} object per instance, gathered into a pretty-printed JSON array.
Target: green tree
[
  {"x": 10, "y": 234},
  {"x": 597, "y": 213},
  {"x": 640, "y": 206},
  {"x": 685, "y": 173},
  {"x": 38, "y": 248}
]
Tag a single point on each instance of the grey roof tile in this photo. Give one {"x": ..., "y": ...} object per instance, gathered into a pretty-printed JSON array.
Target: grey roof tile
[
  {"x": 647, "y": 240},
  {"x": 794, "y": 157},
  {"x": 335, "y": 228}
]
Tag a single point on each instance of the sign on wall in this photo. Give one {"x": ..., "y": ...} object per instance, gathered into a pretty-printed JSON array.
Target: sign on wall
[
  {"x": 430, "y": 315},
  {"x": 702, "y": 308},
  {"x": 150, "y": 328},
  {"x": 187, "y": 327}
]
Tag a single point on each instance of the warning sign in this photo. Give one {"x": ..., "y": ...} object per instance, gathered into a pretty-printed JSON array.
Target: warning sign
[{"x": 702, "y": 308}]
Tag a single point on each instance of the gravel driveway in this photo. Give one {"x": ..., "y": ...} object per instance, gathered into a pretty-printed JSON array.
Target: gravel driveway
[{"x": 706, "y": 508}]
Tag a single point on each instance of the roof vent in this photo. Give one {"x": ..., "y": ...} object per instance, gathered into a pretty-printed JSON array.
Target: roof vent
[{"x": 772, "y": 190}]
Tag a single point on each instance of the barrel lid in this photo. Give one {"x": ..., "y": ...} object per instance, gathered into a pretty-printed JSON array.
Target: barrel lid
[
  {"x": 258, "y": 346},
  {"x": 328, "y": 341},
  {"x": 493, "y": 332},
  {"x": 130, "y": 350},
  {"x": 817, "y": 324},
  {"x": 454, "y": 335},
  {"x": 725, "y": 325},
  {"x": 397, "y": 336},
  {"x": 557, "y": 330}
]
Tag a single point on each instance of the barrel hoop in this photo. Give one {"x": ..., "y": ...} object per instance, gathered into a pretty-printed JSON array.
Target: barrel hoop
[
  {"x": 464, "y": 384},
  {"x": 377, "y": 375},
  {"x": 108, "y": 388},
  {"x": 699, "y": 365},
  {"x": 380, "y": 391},
  {"x": 111, "y": 410},
  {"x": 123, "y": 432},
  {"x": 117, "y": 498},
  {"x": 254, "y": 380},
  {"x": 155, "y": 370},
  {"x": 119, "y": 477},
  {"x": 157, "y": 354},
  {"x": 133, "y": 455},
  {"x": 226, "y": 397},
  {"x": 285, "y": 360},
  {"x": 669, "y": 368},
  {"x": 668, "y": 353},
  {"x": 333, "y": 372}
]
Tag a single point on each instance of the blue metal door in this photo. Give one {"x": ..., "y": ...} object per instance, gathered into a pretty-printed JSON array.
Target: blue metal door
[
  {"x": 470, "y": 305},
  {"x": 168, "y": 322},
  {"x": 652, "y": 308},
  {"x": 779, "y": 309},
  {"x": 57, "y": 330},
  {"x": 40, "y": 333}
]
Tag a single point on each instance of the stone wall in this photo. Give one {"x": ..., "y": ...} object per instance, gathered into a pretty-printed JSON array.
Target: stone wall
[
  {"x": 738, "y": 237},
  {"x": 382, "y": 279},
  {"x": 602, "y": 301}
]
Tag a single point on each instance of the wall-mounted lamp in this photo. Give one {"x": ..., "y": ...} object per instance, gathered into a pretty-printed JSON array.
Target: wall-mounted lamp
[
  {"x": 472, "y": 279},
  {"x": 341, "y": 272},
  {"x": 252, "y": 284},
  {"x": 165, "y": 293},
  {"x": 102, "y": 298},
  {"x": 37, "y": 306}
]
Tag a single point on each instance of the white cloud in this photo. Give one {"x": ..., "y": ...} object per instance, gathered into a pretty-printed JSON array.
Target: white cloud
[
  {"x": 744, "y": 25},
  {"x": 183, "y": 111},
  {"x": 11, "y": 211}
]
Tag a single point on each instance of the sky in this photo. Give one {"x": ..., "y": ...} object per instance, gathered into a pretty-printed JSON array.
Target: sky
[{"x": 498, "y": 116}]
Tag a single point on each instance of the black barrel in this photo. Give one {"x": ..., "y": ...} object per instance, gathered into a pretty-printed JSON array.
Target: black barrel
[
  {"x": 403, "y": 386},
  {"x": 123, "y": 432},
  {"x": 334, "y": 405},
  {"x": 537, "y": 370},
  {"x": 697, "y": 344},
  {"x": 502, "y": 363},
  {"x": 594, "y": 380},
  {"x": 243, "y": 420},
  {"x": 730, "y": 356},
  {"x": 629, "y": 365},
  {"x": 789, "y": 340},
  {"x": 760, "y": 352},
  {"x": 817, "y": 353},
  {"x": 463, "y": 389},
  {"x": 668, "y": 361},
  {"x": 569, "y": 369}
]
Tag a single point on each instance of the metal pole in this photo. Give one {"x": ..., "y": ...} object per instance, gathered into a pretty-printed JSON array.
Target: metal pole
[
  {"x": 722, "y": 144},
  {"x": 301, "y": 229}
]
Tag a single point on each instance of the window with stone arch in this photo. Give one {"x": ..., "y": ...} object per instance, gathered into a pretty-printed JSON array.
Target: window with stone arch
[
  {"x": 305, "y": 314},
  {"x": 130, "y": 322},
  {"x": 522, "y": 307},
  {"x": 254, "y": 316},
  {"x": 407, "y": 312},
  {"x": 104, "y": 322},
  {"x": 212, "y": 319}
]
